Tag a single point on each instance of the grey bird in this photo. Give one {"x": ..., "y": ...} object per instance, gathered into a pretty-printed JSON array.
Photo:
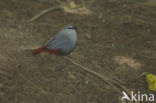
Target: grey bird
[{"x": 62, "y": 43}]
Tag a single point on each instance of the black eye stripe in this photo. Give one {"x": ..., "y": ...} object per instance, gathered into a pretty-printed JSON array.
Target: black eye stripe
[{"x": 70, "y": 28}]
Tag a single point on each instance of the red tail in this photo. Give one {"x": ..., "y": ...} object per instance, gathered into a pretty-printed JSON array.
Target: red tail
[
  {"x": 44, "y": 49},
  {"x": 39, "y": 50}
]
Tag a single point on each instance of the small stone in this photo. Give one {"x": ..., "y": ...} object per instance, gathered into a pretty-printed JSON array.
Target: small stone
[
  {"x": 87, "y": 82},
  {"x": 88, "y": 36},
  {"x": 112, "y": 45},
  {"x": 1, "y": 86},
  {"x": 124, "y": 5},
  {"x": 148, "y": 30}
]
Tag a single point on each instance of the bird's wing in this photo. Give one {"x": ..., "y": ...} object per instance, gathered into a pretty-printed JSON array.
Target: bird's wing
[
  {"x": 59, "y": 42},
  {"x": 49, "y": 41}
]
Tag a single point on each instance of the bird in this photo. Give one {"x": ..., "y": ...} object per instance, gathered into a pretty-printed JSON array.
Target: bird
[{"x": 62, "y": 43}]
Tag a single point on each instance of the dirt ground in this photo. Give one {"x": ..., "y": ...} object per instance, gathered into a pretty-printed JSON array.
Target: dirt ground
[{"x": 118, "y": 38}]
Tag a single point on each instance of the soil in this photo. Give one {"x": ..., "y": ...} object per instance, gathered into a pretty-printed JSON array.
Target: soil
[{"x": 117, "y": 39}]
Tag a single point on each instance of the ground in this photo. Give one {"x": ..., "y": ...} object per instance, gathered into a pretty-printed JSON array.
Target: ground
[{"x": 117, "y": 39}]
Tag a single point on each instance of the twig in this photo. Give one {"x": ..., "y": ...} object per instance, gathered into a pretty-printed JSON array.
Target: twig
[
  {"x": 43, "y": 12},
  {"x": 53, "y": 8},
  {"x": 105, "y": 79},
  {"x": 48, "y": 10},
  {"x": 118, "y": 80}
]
